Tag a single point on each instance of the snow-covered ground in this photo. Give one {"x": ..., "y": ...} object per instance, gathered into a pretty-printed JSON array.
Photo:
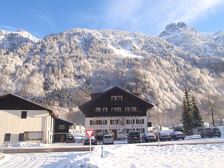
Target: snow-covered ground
[{"x": 124, "y": 156}]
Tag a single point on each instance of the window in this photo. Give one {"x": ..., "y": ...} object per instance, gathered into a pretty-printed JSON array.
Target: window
[
  {"x": 140, "y": 121},
  {"x": 98, "y": 122},
  {"x": 33, "y": 136},
  {"x": 116, "y": 98},
  {"x": 61, "y": 127},
  {"x": 104, "y": 122},
  {"x": 114, "y": 122},
  {"x": 7, "y": 137},
  {"x": 101, "y": 131},
  {"x": 133, "y": 109},
  {"x": 24, "y": 114},
  {"x": 140, "y": 130},
  {"x": 98, "y": 109},
  {"x": 127, "y": 109},
  {"x": 133, "y": 121},
  {"x": 91, "y": 122},
  {"x": 130, "y": 121},
  {"x": 118, "y": 109},
  {"x": 105, "y": 109},
  {"x": 115, "y": 109},
  {"x": 21, "y": 136}
]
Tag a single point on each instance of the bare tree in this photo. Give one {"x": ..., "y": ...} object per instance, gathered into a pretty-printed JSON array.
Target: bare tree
[{"x": 215, "y": 112}]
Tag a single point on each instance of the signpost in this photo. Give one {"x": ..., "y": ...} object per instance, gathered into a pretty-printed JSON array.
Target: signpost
[{"x": 89, "y": 133}]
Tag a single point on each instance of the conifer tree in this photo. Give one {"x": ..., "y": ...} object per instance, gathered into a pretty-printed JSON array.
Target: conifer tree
[
  {"x": 187, "y": 115},
  {"x": 197, "y": 119}
]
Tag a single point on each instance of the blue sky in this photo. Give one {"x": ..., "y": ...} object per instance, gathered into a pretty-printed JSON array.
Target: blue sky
[{"x": 43, "y": 17}]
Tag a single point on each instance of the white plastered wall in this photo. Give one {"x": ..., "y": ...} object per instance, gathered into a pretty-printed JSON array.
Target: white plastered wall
[
  {"x": 37, "y": 120},
  {"x": 118, "y": 127}
]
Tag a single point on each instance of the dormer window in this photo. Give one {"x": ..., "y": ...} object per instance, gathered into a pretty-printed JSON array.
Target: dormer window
[
  {"x": 98, "y": 109},
  {"x": 116, "y": 98}
]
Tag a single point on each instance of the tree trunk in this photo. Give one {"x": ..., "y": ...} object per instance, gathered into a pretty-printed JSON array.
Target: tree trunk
[{"x": 213, "y": 120}]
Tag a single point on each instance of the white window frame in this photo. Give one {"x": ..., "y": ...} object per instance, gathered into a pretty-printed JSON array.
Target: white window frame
[
  {"x": 98, "y": 109},
  {"x": 61, "y": 127},
  {"x": 133, "y": 109},
  {"x": 116, "y": 98},
  {"x": 127, "y": 109}
]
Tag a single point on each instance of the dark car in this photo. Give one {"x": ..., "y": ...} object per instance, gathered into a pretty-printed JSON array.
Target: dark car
[
  {"x": 87, "y": 142},
  {"x": 148, "y": 137},
  {"x": 163, "y": 136},
  {"x": 133, "y": 137},
  {"x": 70, "y": 139},
  {"x": 176, "y": 135},
  {"x": 210, "y": 132}
]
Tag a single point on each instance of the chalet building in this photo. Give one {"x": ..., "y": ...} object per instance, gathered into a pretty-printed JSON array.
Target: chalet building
[
  {"x": 60, "y": 130},
  {"x": 116, "y": 111},
  {"x": 23, "y": 120}
]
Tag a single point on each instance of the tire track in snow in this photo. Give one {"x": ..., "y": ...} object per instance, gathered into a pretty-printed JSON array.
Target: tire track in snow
[{"x": 15, "y": 162}]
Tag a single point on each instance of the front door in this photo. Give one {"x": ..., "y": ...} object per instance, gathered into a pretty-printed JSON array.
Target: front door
[{"x": 114, "y": 133}]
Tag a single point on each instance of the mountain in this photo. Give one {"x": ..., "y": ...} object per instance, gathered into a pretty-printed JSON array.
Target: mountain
[
  {"x": 61, "y": 70},
  {"x": 194, "y": 42}
]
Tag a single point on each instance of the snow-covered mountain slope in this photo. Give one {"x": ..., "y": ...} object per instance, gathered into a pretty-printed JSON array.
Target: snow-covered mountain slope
[
  {"x": 194, "y": 42},
  {"x": 61, "y": 70},
  {"x": 13, "y": 40}
]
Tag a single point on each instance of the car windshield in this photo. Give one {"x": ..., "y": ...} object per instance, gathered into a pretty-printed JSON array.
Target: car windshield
[
  {"x": 134, "y": 134},
  {"x": 107, "y": 136},
  {"x": 149, "y": 134},
  {"x": 178, "y": 132}
]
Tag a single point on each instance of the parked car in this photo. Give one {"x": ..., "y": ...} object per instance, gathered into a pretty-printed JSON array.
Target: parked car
[
  {"x": 133, "y": 137},
  {"x": 176, "y": 135},
  {"x": 70, "y": 139},
  {"x": 210, "y": 132},
  {"x": 108, "y": 139},
  {"x": 78, "y": 138},
  {"x": 87, "y": 142},
  {"x": 179, "y": 128},
  {"x": 163, "y": 136},
  {"x": 148, "y": 137}
]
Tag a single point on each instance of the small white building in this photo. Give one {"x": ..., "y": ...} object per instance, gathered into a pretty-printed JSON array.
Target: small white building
[
  {"x": 23, "y": 120},
  {"x": 116, "y": 111}
]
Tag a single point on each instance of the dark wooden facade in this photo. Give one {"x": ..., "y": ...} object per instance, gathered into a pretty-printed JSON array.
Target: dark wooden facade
[
  {"x": 103, "y": 100},
  {"x": 61, "y": 130}
]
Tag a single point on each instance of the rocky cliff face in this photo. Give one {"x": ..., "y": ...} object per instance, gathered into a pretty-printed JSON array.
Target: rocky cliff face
[{"x": 61, "y": 70}]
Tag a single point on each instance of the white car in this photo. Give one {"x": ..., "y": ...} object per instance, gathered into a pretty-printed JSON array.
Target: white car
[{"x": 108, "y": 139}]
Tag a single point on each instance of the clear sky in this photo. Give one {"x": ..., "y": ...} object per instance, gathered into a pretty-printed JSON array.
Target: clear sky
[{"x": 43, "y": 17}]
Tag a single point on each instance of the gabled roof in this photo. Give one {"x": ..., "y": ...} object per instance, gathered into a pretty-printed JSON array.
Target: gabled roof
[
  {"x": 14, "y": 102},
  {"x": 115, "y": 88},
  {"x": 64, "y": 121}
]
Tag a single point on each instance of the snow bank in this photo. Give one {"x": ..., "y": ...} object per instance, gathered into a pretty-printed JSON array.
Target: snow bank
[
  {"x": 27, "y": 144},
  {"x": 124, "y": 156},
  {"x": 168, "y": 156}
]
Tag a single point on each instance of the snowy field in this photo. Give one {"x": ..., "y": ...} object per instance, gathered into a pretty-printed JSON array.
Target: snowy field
[{"x": 125, "y": 156}]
